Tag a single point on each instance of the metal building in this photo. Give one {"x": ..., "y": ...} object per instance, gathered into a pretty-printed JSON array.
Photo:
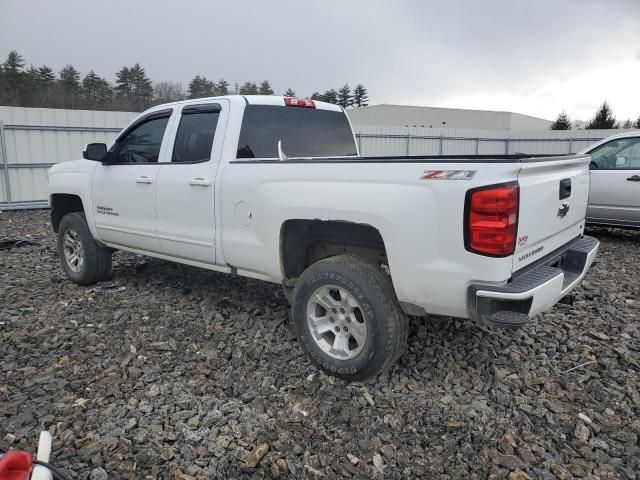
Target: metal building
[{"x": 436, "y": 117}]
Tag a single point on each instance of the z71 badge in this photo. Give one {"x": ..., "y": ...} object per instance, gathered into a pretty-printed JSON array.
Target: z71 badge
[{"x": 448, "y": 174}]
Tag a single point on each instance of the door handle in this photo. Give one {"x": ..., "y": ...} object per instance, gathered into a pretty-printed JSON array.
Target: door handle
[
  {"x": 199, "y": 182},
  {"x": 635, "y": 178},
  {"x": 144, "y": 179}
]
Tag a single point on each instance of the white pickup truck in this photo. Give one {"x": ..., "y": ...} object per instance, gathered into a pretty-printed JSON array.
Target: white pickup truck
[{"x": 274, "y": 188}]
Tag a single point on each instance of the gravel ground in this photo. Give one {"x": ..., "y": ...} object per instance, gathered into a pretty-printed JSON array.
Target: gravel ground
[{"x": 188, "y": 373}]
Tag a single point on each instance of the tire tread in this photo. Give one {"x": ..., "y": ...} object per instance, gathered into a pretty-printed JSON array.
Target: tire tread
[
  {"x": 97, "y": 258},
  {"x": 377, "y": 284}
]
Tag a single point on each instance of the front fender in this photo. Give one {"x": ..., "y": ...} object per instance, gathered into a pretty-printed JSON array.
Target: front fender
[{"x": 70, "y": 179}]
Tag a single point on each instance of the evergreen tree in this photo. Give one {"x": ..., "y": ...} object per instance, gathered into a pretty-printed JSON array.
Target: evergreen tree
[
  {"x": 42, "y": 81},
  {"x": 134, "y": 87},
  {"x": 69, "y": 83},
  {"x": 562, "y": 122},
  {"x": 96, "y": 91},
  {"x": 289, "y": 93},
  {"x": 360, "y": 96},
  {"x": 222, "y": 87},
  {"x": 31, "y": 93},
  {"x": 265, "y": 88},
  {"x": 46, "y": 77},
  {"x": 604, "y": 119},
  {"x": 345, "y": 99},
  {"x": 330, "y": 96},
  {"x": 316, "y": 96},
  {"x": 14, "y": 78},
  {"x": 249, "y": 88},
  {"x": 123, "y": 83},
  {"x": 637, "y": 124},
  {"x": 200, "y": 87},
  {"x": 627, "y": 124},
  {"x": 142, "y": 88}
]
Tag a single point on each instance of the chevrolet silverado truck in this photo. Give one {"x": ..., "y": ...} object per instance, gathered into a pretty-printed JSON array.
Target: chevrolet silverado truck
[{"x": 274, "y": 188}]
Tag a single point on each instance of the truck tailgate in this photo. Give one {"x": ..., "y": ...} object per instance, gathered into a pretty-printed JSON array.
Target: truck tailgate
[{"x": 554, "y": 192}]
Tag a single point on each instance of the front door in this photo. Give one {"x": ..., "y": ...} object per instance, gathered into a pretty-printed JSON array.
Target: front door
[
  {"x": 124, "y": 190},
  {"x": 614, "y": 196},
  {"x": 185, "y": 187}
]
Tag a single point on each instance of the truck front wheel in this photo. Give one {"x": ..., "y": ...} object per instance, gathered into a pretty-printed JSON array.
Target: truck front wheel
[
  {"x": 83, "y": 259},
  {"x": 347, "y": 317}
]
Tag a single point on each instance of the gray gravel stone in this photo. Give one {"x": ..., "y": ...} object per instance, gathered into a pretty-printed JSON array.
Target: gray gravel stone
[{"x": 186, "y": 371}]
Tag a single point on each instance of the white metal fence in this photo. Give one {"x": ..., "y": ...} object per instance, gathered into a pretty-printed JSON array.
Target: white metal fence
[
  {"x": 33, "y": 139},
  {"x": 391, "y": 141}
]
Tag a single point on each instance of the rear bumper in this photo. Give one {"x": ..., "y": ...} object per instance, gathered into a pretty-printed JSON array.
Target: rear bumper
[{"x": 534, "y": 289}]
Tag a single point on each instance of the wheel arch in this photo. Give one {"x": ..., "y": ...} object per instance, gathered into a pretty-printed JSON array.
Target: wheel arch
[
  {"x": 304, "y": 242},
  {"x": 62, "y": 204}
]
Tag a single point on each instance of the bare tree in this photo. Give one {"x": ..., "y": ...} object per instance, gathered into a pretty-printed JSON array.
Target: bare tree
[{"x": 166, "y": 92}]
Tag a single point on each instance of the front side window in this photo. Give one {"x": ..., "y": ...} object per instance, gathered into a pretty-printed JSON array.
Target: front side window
[
  {"x": 194, "y": 138},
  {"x": 621, "y": 154},
  {"x": 304, "y": 132},
  {"x": 142, "y": 144}
]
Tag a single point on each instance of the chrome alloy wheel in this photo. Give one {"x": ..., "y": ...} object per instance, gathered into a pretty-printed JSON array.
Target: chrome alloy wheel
[
  {"x": 73, "y": 251},
  {"x": 336, "y": 322}
]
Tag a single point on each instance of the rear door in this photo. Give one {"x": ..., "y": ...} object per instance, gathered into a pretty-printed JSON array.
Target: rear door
[
  {"x": 553, "y": 201},
  {"x": 615, "y": 182},
  {"x": 185, "y": 187}
]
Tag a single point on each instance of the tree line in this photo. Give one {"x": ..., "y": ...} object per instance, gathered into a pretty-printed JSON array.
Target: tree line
[
  {"x": 603, "y": 119},
  {"x": 133, "y": 89}
]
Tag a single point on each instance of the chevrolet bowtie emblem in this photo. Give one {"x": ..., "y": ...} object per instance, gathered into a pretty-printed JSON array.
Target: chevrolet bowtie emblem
[{"x": 563, "y": 210}]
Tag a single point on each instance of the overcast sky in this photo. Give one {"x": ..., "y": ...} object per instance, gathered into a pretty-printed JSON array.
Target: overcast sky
[{"x": 535, "y": 58}]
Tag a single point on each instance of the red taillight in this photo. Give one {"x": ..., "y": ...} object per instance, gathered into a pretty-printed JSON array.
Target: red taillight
[
  {"x": 299, "y": 102},
  {"x": 492, "y": 220}
]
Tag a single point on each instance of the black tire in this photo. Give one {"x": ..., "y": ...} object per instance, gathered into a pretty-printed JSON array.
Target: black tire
[
  {"x": 96, "y": 258},
  {"x": 386, "y": 324}
]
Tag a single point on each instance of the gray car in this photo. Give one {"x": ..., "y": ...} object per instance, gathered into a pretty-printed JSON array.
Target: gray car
[{"x": 614, "y": 197}]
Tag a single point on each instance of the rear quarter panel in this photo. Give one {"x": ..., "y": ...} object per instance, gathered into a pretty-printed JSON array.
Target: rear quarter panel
[{"x": 421, "y": 221}]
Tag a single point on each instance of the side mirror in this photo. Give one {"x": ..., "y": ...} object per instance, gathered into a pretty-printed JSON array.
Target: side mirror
[
  {"x": 621, "y": 161},
  {"x": 95, "y": 152},
  {"x": 593, "y": 165}
]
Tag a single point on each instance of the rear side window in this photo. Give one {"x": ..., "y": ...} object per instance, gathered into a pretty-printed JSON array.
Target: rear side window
[
  {"x": 304, "y": 132},
  {"x": 194, "y": 138}
]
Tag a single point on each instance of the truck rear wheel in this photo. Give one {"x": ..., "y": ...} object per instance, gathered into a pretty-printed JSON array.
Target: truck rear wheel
[
  {"x": 83, "y": 259},
  {"x": 347, "y": 317}
]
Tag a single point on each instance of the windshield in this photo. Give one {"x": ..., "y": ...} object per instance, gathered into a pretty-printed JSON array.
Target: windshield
[{"x": 304, "y": 132}]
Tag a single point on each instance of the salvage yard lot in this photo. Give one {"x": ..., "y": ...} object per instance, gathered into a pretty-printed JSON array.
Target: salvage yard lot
[{"x": 186, "y": 371}]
